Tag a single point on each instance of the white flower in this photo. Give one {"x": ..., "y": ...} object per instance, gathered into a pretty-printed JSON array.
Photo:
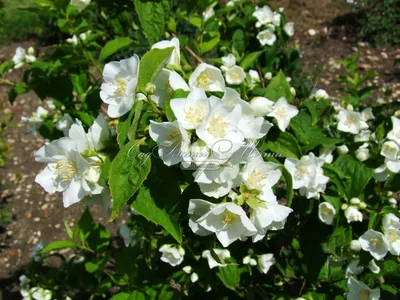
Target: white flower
[
  {"x": 353, "y": 268},
  {"x": 266, "y": 37},
  {"x": 289, "y": 28},
  {"x": 247, "y": 260},
  {"x": 363, "y": 136},
  {"x": 118, "y": 90},
  {"x": 187, "y": 269},
  {"x": 266, "y": 214},
  {"x": 390, "y": 221},
  {"x": 355, "y": 246},
  {"x": 175, "y": 59},
  {"x": 208, "y": 78},
  {"x": 343, "y": 149},
  {"x": 235, "y": 75},
  {"x": 283, "y": 113},
  {"x": 73, "y": 40},
  {"x": 220, "y": 130},
  {"x": 276, "y": 20},
  {"x": 221, "y": 254},
  {"x": 172, "y": 139},
  {"x": 64, "y": 124},
  {"x": 326, "y": 213},
  {"x": 382, "y": 173},
  {"x": 394, "y": 134},
  {"x": 19, "y": 57},
  {"x": 264, "y": 15},
  {"x": 326, "y": 153},
  {"x": 172, "y": 255},
  {"x": 208, "y": 13},
  {"x": 265, "y": 262},
  {"x": 166, "y": 83},
  {"x": 307, "y": 174},
  {"x": 261, "y": 176},
  {"x": 191, "y": 111},
  {"x": 360, "y": 291},
  {"x": 321, "y": 94},
  {"x": 39, "y": 293},
  {"x": 228, "y": 61},
  {"x": 194, "y": 277},
  {"x": 362, "y": 153},
  {"x": 352, "y": 214},
  {"x": 228, "y": 221},
  {"x": 390, "y": 150},
  {"x": 198, "y": 208},
  {"x": 254, "y": 76},
  {"x": 367, "y": 114},
  {"x": 393, "y": 238},
  {"x": 350, "y": 121},
  {"x": 375, "y": 243},
  {"x": 373, "y": 267},
  {"x": 80, "y": 4},
  {"x": 261, "y": 106}
]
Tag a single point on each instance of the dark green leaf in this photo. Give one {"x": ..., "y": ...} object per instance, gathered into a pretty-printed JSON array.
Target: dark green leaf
[
  {"x": 57, "y": 245},
  {"x": 128, "y": 171},
  {"x": 230, "y": 276},
  {"x": 278, "y": 87},
  {"x": 316, "y": 108},
  {"x": 251, "y": 60},
  {"x": 286, "y": 145},
  {"x": 152, "y": 18}
]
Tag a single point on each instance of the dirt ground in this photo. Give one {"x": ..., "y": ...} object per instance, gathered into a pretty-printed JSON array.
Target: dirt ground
[{"x": 38, "y": 216}]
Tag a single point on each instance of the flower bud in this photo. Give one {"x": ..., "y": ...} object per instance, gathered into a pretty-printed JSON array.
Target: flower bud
[
  {"x": 194, "y": 277},
  {"x": 355, "y": 201},
  {"x": 150, "y": 88},
  {"x": 389, "y": 194},
  {"x": 187, "y": 269},
  {"x": 345, "y": 206},
  {"x": 261, "y": 106},
  {"x": 362, "y": 205},
  {"x": 246, "y": 260},
  {"x": 268, "y": 76},
  {"x": 343, "y": 149},
  {"x": 392, "y": 201},
  {"x": 31, "y": 51},
  {"x": 293, "y": 91},
  {"x": 355, "y": 246}
]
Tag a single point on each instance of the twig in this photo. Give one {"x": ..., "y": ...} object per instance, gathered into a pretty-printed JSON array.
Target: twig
[
  {"x": 191, "y": 52},
  {"x": 261, "y": 76}
]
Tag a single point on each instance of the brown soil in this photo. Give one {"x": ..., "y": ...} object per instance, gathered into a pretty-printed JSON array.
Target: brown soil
[{"x": 38, "y": 216}]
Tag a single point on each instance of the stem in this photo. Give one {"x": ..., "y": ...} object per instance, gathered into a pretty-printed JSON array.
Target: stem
[
  {"x": 154, "y": 107},
  {"x": 194, "y": 55},
  {"x": 6, "y": 81},
  {"x": 133, "y": 128}
]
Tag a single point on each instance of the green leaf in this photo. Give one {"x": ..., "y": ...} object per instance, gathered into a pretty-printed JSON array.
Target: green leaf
[
  {"x": 145, "y": 205},
  {"x": 230, "y": 276},
  {"x": 114, "y": 46},
  {"x": 121, "y": 296},
  {"x": 284, "y": 144},
  {"x": 152, "y": 18},
  {"x": 373, "y": 220},
  {"x": 316, "y": 108},
  {"x": 84, "y": 226},
  {"x": 123, "y": 127},
  {"x": 99, "y": 238},
  {"x": 79, "y": 81},
  {"x": 210, "y": 41},
  {"x": 57, "y": 245},
  {"x": 12, "y": 95},
  {"x": 136, "y": 295},
  {"x": 307, "y": 134},
  {"x": 357, "y": 175},
  {"x": 289, "y": 185},
  {"x": 238, "y": 40},
  {"x": 278, "y": 87},
  {"x": 151, "y": 64},
  {"x": 127, "y": 172},
  {"x": 340, "y": 237},
  {"x": 5, "y": 66},
  {"x": 250, "y": 60}
]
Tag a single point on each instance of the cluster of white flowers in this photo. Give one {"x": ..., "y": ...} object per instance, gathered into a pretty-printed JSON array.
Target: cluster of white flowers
[
  {"x": 36, "y": 293},
  {"x": 379, "y": 244},
  {"x": 21, "y": 57},
  {"x": 391, "y": 152},
  {"x": 75, "y": 40},
  {"x": 74, "y": 164},
  {"x": 352, "y": 211},
  {"x": 268, "y": 21},
  {"x": 34, "y": 122},
  {"x": 80, "y": 4}
]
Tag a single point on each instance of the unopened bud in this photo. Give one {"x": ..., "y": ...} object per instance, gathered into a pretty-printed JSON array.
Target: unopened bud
[
  {"x": 268, "y": 76},
  {"x": 355, "y": 246},
  {"x": 362, "y": 205},
  {"x": 150, "y": 88},
  {"x": 345, "y": 206},
  {"x": 392, "y": 201},
  {"x": 293, "y": 91},
  {"x": 343, "y": 149},
  {"x": 389, "y": 194},
  {"x": 31, "y": 51},
  {"x": 355, "y": 201}
]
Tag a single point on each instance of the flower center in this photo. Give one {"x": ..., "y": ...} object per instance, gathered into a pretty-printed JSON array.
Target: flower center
[
  {"x": 194, "y": 115},
  {"x": 235, "y": 75},
  {"x": 255, "y": 180},
  {"x": 204, "y": 80},
  {"x": 217, "y": 127},
  {"x": 302, "y": 171},
  {"x": 375, "y": 242},
  {"x": 350, "y": 120},
  {"x": 229, "y": 218},
  {"x": 174, "y": 137},
  {"x": 326, "y": 211},
  {"x": 121, "y": 86},
  {"x": 393, "y": 236},
  {"x": 281, "y": 112},
  {"x": 364, "y": 295},
  {"x": 65, "y": 170}
]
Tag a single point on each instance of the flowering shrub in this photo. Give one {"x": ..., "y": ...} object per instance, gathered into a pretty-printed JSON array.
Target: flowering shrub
[{"x": 237, "y": 186}]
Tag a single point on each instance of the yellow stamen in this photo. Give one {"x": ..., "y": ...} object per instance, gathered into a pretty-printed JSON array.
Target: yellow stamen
[{"x": 217, "y": 127}]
